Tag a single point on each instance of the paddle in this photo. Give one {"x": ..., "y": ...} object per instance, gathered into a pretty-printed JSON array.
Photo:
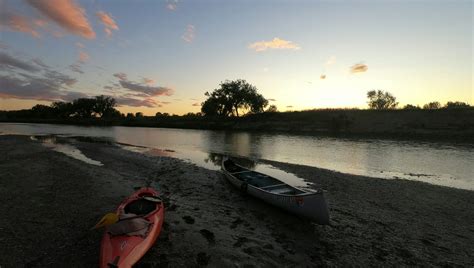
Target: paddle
[{"x": 108, "y": 219}]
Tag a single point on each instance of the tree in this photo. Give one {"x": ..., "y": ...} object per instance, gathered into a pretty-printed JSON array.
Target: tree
[
  {"x": 432, "y": 105},
  {"x": 104, "y": 106},
  {"x": 411, "y": 107},
  {"x": 138, "y": 115},
  {"x": 456, "y": 105},
  {"x": 84, "y": 107},
  {"x": 272, "y": 109},
  {"x": 380, "y": 100},
  {"x": 234, "y": 98}
]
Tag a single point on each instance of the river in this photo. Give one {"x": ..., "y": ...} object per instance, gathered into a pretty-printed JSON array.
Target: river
[{"x": 438, "y": 163}]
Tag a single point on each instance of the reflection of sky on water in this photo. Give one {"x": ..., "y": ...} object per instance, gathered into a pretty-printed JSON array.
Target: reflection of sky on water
[
  {"x": 433, "y": 162},
  {"x": 67, "y": 149}
]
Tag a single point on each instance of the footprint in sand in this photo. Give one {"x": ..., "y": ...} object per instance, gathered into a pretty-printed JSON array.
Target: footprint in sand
[
  {"x": 208, "y": 235},
  {"x": 188, "y": 219}
]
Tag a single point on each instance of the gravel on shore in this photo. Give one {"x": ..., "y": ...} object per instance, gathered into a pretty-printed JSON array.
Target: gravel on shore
[{"x": 49, "y": 202}]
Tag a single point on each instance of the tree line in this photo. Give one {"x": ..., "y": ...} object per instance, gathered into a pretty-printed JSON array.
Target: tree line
[{"x": 232, "y": 99}]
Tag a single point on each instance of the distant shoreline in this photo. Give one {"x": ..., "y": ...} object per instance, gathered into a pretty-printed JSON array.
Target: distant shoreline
[{"x": 454, "y": 125}]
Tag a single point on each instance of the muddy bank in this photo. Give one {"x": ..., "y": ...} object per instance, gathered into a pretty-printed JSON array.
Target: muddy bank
[{"x": 49, "y": 201}]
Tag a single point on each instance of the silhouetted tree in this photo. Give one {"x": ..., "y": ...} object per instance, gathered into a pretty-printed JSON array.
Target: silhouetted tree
[
  {"x": 456, "y": 105},
  {"x": 272, "y": 109},
  {"x": 62, "y": 109},
  {"x": 104, "y": 106},
  {"x": 411, "y": 107},
  {"x": 380, "y": 100},
  {"x": 432, "y": 105},
  {"x": 233, "y": 98},
  {"x": 42, "y": 111},
  {"x": 83, "y": 108}
]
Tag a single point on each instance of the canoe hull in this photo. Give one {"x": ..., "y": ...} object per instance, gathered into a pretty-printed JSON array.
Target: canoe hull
[
  {"x": 310, "y": 205},
  {"x": 124, "y": 251}
]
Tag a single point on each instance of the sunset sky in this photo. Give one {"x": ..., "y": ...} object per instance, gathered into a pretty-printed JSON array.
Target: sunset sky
[{"x": 162, "y": 56}]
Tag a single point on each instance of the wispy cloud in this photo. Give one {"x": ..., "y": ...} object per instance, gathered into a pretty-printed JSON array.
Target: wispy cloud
[
  {"x": 196, "y": 104},
  {"x": 120, "y": 76},
  {"x": 108, "y": 21},
  {"x": 276, "y": 43},
  {"x": 148, "y": 81},
  {"x": 83, "y": 56},
  {"x": 67, "y": 14},
  {"x": 75, "y": 67},
  {"x": 17, "y": 23},
  {"x": 189, "y": 34},
  {"x": 126, "y": 101},
  {"x": 322, "y": 77},
  {"x": 271, "y": 99},
  {"x": 142, "y": 88},
  {"x": 9, "y": 62},
  {"x": 34, "y": 80},
  {"x": 171, "y": 5},
  {"x": 359, "y": 68}
]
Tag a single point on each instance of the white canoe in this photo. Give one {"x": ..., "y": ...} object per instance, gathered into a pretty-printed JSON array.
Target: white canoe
[{"x": 311, "y": 205}]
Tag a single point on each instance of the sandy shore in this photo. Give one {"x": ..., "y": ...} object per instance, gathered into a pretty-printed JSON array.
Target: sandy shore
[{"x": 49, "y": 201}]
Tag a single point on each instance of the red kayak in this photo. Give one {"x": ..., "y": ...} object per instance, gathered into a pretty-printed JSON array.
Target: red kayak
[{"x": 140, "y": 219}]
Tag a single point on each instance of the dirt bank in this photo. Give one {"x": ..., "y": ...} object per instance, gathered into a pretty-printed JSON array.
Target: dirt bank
[{"x": 49, "y": 201}]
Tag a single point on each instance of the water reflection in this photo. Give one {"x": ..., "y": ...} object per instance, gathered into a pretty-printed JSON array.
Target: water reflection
[
  {"x": 439, "y": 163},
  {"x": 62, "y": 147}
]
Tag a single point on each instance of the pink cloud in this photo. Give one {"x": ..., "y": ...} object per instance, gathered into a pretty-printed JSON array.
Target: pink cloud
[
  {"x": 67, "y": 14},
  {"x": 18, "y": 23},
  {"x": 276, "y": 43},
  {"x": 83, "y": 56},
  {"x": 189, "y": 34},
  {"x": 108, "y": 22}
]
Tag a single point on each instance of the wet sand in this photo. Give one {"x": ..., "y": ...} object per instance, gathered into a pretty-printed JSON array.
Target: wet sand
[{"x": 49, "y": 201}]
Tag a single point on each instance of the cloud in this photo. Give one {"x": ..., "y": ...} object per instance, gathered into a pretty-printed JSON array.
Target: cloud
[
  {"x": 8, "y": 62},
  {"x": 120, "y": 76},
  {"x": 3, "y": 45},
  {"x": 108, "y": 21},
  {"x": 67, "y": 14},
  {"x": 189, "y": 34},
  {"x": 322, "y": 77},
  {"x": 276, "y": 43},
  {"x": 171, "y": 4},
  {"x": 148, "y": 90},
  {"x": 34, "y": 80},
  {"x": 37, "y": 88},
  {"x": 289, "y": 106},
  {"x": 148, "y": 102},
  {"x": 80, "y": 45},
  {"x": 83, "y": 56},
  {"x": 148, "y": 81},
  {"x": 359, "y": 68},
  {"x": 141, "y": 88},
  {"x": 165, "y": 102},
  {"x": 271, "y": 99},
  {"x": 76, "y": 68},
  {"x": 18, "y": 23},
  {"x": 196, "y": 104}
]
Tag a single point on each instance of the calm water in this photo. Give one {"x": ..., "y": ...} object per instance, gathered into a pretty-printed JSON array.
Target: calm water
[{"x": 437, "y": 163}]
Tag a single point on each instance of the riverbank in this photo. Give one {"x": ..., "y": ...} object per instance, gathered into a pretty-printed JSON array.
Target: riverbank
[
  {"x": 50, "y": 201},
  {"x": 454, "y": 125}
]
